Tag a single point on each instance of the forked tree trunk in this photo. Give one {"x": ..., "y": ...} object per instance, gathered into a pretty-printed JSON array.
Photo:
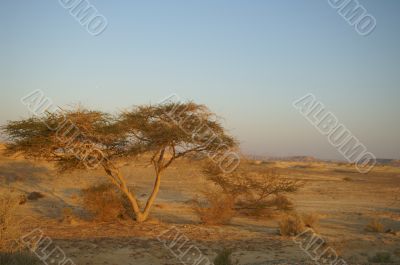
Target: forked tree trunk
[{"x": 118, "y": 180}]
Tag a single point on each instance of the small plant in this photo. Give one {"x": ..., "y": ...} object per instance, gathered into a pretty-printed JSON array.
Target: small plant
[
  {"x": 105, "y": 202},
  {"x": 282, "y": 203},
  {"x": 68, "y": 216},
  {"x": 310, "y": 220},
  {"x": 67, "y": 213},
  {"x": 224, "y": 258},
  {"x": 375, "y": 226},
  {"x": 217, "y": 209},
  {"x": 291, "y": 225},
  {"x": 381, "y": 257},
  {"x": 34, "y": 196}
]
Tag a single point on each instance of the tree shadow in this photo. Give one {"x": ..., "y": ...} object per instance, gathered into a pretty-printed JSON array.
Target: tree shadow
[
  {"x": 22, "y": 171},
  {"x": 25, "y": 177}
]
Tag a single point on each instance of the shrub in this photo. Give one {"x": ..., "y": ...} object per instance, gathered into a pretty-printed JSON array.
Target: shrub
[
  {"x": 282, "y": 203},
  {"x": 375, "y": 226},
  {"x": 34, "y": 196},
  {"x": 310, "y": 220},
  {"x": 224, "y": 258},
  {"x": 18, "y": 258},
  {"x": 68, "y": 216},
  {"x": 105, "y": 202},
  {"x": 217, "y": 209},
  {"x": 254, "y": 192},
  {"x": 22, "y": 199},
  {"x": 67, "y": 213},
  {"x": 291, "y": 225},
  {"x": 9, "y": 223},
  {"x": 381, "y": 257}
]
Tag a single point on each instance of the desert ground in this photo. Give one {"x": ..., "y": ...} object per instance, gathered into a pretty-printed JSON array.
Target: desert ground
[{"x": 345, "y": 201}]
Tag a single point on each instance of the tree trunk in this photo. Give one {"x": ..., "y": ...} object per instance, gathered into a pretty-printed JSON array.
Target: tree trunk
[
  {"x": 153, "y": 195},
  {"x": 118, "y": 180}
]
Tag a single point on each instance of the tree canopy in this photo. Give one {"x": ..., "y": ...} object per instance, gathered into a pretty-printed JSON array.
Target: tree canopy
[{"x": 82, "y": 138}]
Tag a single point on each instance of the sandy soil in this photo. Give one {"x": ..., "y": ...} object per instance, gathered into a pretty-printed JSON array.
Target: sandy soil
[{"x": 344, "y": 199}]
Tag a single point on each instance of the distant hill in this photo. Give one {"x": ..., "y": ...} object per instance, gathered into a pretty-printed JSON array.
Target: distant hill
[
  {"x": 285, "y": 158},
  {"x": 310, "y": 159},
  {"x": 388, "y": 162}
]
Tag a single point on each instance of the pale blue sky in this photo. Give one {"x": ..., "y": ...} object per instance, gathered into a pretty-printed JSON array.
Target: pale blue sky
[{"x": 247, "y": 60}]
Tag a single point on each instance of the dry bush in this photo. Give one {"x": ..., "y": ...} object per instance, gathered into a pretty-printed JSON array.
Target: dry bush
[
  {"x": 375, "y": 226},
  {"x": 105, "y": 202},
  {"x": 282, "y": 203},
  {"x": 34, "y": 196},
  {"x": 67, "y": 213},
  {"x": 224, "y": 258},
  {"x": 10, "y": 229},
  {"x": 254, "y": 193},
  {"x": 381, "y": 257},
  {"x": 216, "y": 209},
  {"x": 291, "y": 225},
  {"x": 68, "y": 216},
  {"x": 310, "y": 220}
]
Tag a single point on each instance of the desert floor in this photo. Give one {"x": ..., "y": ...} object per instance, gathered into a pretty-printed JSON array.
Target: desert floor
[{"x": 345, "y": 200}]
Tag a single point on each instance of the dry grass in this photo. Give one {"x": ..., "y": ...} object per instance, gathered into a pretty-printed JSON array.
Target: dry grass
[
  {"x": 282, "y": 203},
  {"x": 68, "y": 216},
  {"x": 105, "y": 202},
  {"x": 19, "y": 258},
  {"x": 217, "y": 209},
  {"x": 375, "y": 226},
  {"x": 224, "y": 258},
  {"x": 381, "y": 257},
  {"x": 291, "y": 225},
  {"x": 310, "y": 220},
  {"x": 10, "y": 230}
]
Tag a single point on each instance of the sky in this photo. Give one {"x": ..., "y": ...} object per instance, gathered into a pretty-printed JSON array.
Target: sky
[{"x": 246, "y": 60}]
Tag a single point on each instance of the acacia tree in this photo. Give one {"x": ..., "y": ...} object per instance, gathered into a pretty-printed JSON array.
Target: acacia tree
[
  {"x": 172, "y": 131},
  {"x": 84, "y": 139}
]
